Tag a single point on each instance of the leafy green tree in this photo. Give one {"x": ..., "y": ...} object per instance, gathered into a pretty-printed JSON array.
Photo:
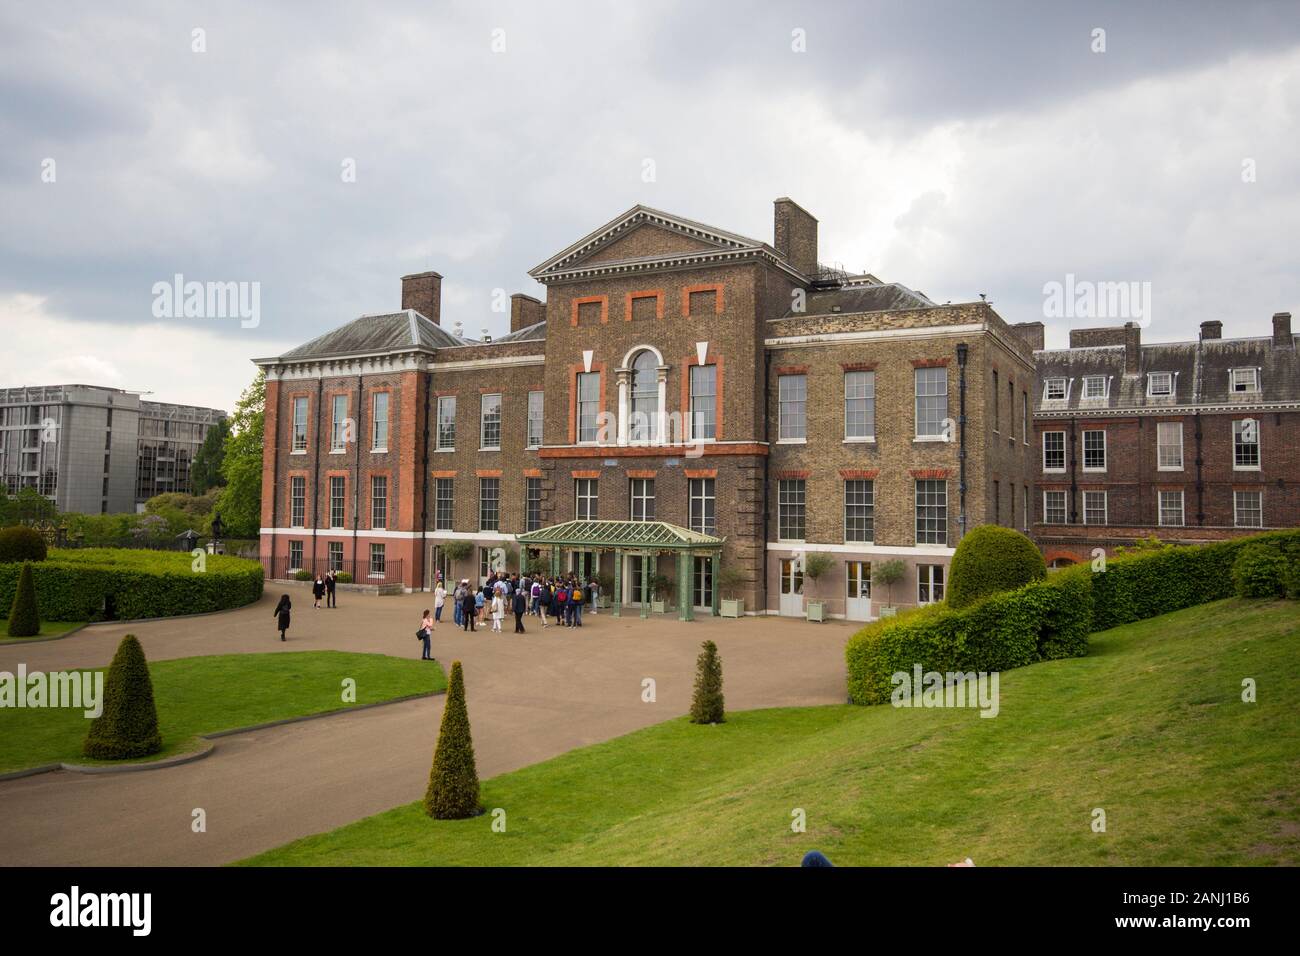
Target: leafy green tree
[
  {"x": 240, "y": 502},
  {"x": 205, "y": 470}
]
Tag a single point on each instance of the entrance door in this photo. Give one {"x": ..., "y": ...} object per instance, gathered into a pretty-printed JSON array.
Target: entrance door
[
  {"x": 857, "y": 590},
  {"x": 702, "y": 583},
  {"x": 791, "y": 587},
  {"x": 636, "y": 567},
  {"x": 439, "y": 562},
  {"x": 583, "y": 564}
]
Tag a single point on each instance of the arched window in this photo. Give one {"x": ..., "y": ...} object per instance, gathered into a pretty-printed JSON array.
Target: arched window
[{"x": 645, "y": 398}]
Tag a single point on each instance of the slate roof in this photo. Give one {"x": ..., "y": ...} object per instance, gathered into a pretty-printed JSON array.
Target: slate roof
[
  {"x": 884, "y": 297},
  {"x": 529, "y": 333},
  {"x": 1201, "y": 373},
  {"x": 369, "y": 334}
]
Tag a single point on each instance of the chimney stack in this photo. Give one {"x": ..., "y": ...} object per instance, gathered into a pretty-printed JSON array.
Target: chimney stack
[
  {"x": 423, "y": 293},
  {"x": 1282, "y": 331},
  {"x": 1132, "y": 348},
  {"x": 525, "y": 311},
  {"x": 794, "y": 235},
  {"x": 1212, "y": 329},
  {"x": 1034, "y": 334}
]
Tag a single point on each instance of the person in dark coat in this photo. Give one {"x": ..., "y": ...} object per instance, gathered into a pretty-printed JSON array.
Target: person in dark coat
[
  {"x": 318, "y": 590},
  {"x": 331, "y": 580},
  {"x": 468, "y": 609},
  {"x": 521, "y": 608},
  {"x": 282, "y": 614}
]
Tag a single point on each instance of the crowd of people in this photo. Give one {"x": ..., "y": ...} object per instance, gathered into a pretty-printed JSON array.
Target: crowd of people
[{"x": 558, "y": 600}]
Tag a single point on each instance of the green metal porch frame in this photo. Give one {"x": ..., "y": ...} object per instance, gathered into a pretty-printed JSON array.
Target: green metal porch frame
[{"x": 643, "y": 538}]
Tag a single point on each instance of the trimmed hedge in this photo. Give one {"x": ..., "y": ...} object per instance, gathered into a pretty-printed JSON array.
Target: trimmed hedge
[
  {"x": 1050, "y": 619},
  {"x": 20, "y": 543},
  {"x": 1260, "y": 571},
  {"x": 78, "y": 584},
  {"x": 990, "y": 559}
]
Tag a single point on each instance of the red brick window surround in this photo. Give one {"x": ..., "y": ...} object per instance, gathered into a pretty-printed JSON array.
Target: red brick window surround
[
  {"x": 715, "y": 288},
  {"x": 930, "y": 363},
  {"x": 692, "y": 360},
  {"x": 601, "y": 300},
  {"x": 656, "y": 294}
]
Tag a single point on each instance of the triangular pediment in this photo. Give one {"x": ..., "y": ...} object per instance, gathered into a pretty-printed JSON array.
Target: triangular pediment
[{"x": 643, "y": 235}]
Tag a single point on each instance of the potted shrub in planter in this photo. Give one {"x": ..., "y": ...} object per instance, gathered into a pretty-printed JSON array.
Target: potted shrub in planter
[
  {"x": 456, "y": 552},
  {"x": 661, "y": 588},
  {"x": 730, "y": 580},
  {"x": 606, "y": 582},
  {"x": 814, "y": 566},
  {"x": 888, "y": 573}
]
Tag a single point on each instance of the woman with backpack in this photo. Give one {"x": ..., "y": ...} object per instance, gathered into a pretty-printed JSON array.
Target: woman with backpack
[
  {"x": 544, "y": 599},
  {"x": 562, "y": 604},
  {"x": 425, "y": 633}
]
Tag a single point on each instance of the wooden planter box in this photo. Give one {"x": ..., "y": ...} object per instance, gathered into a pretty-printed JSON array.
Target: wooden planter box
[
  {"x": 817, "y": 611},
  {"x": 731, "y": 607},
  {"x": 888, "y": 611},
  {"x": 656, "y": 607}
]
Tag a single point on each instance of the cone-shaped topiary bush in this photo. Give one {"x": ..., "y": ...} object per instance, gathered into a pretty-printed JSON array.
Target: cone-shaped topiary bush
[
  {"x": 24, "y": 617},
  {"x": 453, "y": 781},
  {"x": 706, "y": 706},
  {"x": 128, "y": 727},
  {"x": 989, "y": 559}
]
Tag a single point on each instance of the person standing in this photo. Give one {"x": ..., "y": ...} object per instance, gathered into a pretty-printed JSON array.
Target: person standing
[
  {"x": 576, "y": 597},
  {"x": 562, "y": 604},
  {"x": 480, "y": 602},
  {"x": 331, "y": 581},
  {"x": 593, "y": 591},
  {"x": 457, "y": 602},
  {"x": 467, "y": 607},
  {"x": 282, "y": 614},
  {"x": 498, "y": 609},
  {"x": 439, "y": 599},
  {"x": 426, "y": 632},
  {"x": 521, "y": 608},
  {"x": 318, "y": 591},
  {"x": 544, "y": 601}
]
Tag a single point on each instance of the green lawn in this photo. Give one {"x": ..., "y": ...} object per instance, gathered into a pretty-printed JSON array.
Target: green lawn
[
  {"x": 48, "y": 629},
  {"x": 198, "y": 695},
  {"x": 1150, "y": 727}
]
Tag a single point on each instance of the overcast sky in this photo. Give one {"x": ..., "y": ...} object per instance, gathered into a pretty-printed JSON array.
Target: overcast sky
[{"x": 958, "y": 148}]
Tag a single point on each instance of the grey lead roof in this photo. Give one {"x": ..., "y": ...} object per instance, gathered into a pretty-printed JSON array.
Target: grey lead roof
[
  {"x": 1201, "y": 372},
  {"x": 379, "y": 333},
  {"x": 885, "y": 297}
]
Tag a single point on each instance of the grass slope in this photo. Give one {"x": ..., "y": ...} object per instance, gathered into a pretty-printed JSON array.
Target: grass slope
[
  {"x": 1150, "y": 727},
  {"x": 199, "y": 695}
]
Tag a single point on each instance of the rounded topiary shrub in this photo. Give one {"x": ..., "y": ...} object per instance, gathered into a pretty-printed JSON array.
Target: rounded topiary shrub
[
  {"x": 21, "y": 544},
  {"x": 989, "y": 559},
  {"x": 128, "y": 727},
  {"x": 24, "y": 617},
  {"x": 1260, "y": 571}
]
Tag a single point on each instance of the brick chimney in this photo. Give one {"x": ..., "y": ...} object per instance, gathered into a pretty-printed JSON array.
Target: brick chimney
[
  {"x": 1212, "y": 329},
  {"x": 423, "y": 293},
  {"x": 1282, "y": 331},
  {"x": 1132, "y": 348},
  {"x": 794, "y": 234},
  {"x": 525, "y": 311},
  {"x": 1034, "y": 334}
]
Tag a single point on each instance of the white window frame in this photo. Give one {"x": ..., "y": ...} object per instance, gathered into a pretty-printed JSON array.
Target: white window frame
[
  {"x": 869, "y": 504},
  {"x": 940, "y": 372},
  {"x": 437, "y": 430},
  {"x": 483, "y": 420},
  {"x": 1089, "y": 379},
  {"x": 792, "y": 485},
  {"x": 1064, "y": 454},
  {"x": 691, "y": 409},
  {"x": 538, "y": 419},
  {"x": 380, "y": 550},
  {"x": 1151, "y": 384},
  {"x": 301, "y": 555},
  {"x": 1065, "y": 507},
  {"x": 375, "y": 480},
  {"x": 1160, "y": 464},
  {"x": 337, "y": 424},
  {"x": 707, "y": 499},
  {"x": 1232, "y": 380},
  {"x": 646, "y": 498},
  {"x": 378, "y": 442},
  {"x": 1160, "y": 508},
  {"x": 1047, "y": 389},
  {"x": 925, "y": 573},
  {"x": 1259, "y": 453},
  {"x": 1105, "y": 508},
  {"x": 1105, "y": 453},
  {"x": 586, "y": 407},
  {"x": 300, "y": 448},
  {"x": 586, "y": 490},
  {"x": 792, "y": 429},
  {"x": 868, "y": 398},
  {"x": 1236, "y": 508}
]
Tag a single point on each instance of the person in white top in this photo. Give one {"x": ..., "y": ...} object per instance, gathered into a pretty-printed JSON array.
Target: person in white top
[
  {"x": 439, "y": 598},
  {"x": 498, "y": 610}
]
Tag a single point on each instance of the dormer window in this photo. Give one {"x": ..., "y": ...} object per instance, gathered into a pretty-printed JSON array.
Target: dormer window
[
  {"x": 1160, "y": 384},
  {"x": 1245, "y": 380},
  {"x": 1094, "y": 386},
  {"x": 1054, "y": 390}
]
